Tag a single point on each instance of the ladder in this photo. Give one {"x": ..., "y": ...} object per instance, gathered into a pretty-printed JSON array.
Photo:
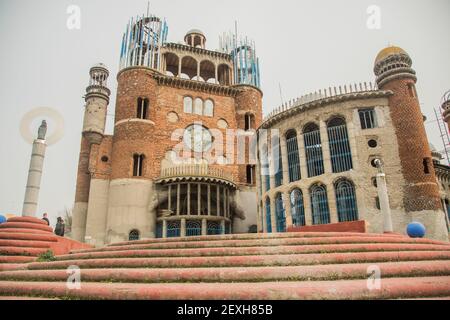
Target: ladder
[{"x": 445, "y": 136}]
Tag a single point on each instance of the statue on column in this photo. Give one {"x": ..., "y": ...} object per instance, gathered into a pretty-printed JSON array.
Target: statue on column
[{"x": 42, "y": 130}]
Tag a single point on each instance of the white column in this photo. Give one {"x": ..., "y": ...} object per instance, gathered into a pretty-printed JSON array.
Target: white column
[
  {"x": 284, "y": 159},
  {"x": 164, "y": 229},
  {"x": 183, "y": 227},
  {"x": 31, "y": 198},
  {"x": 302, "y": 154},
  {"x": 325, "y": 147},
  {"x": 384, "y": 202},
  {"x": 204, "y": 227}
]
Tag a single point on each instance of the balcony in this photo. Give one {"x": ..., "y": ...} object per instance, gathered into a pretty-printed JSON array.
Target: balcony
[{"x": 195, "y": 172}]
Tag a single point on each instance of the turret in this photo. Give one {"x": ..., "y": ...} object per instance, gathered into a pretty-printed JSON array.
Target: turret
[
  {"x": 97, "y": 99},
  {"x": 394, "y": 73}
]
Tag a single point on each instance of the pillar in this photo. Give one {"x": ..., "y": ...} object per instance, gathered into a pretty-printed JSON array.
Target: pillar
[
  {"x": 31, "y": 198},
  {"x": 164, "y": 229},
  {"x": 307, "y": 206},
  {"x": 222, "y": 226},
  {"x": 302, "y": 154},
  {"x": 288, "y": 212},
  {"x": 209, "y": 199},
  {"x": 325, "y": 147},
  {"x": 183, "y": 227},
  {"x": 284, "y": 159},
  {"x": 384, "y": 202},
  {"x": 204, "y": 227}
]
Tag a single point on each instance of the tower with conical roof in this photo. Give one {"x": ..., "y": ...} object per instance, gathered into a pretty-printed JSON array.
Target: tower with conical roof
[{"x": 421, "y": 193}]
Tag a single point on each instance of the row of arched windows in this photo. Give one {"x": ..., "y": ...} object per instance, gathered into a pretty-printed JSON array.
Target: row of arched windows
[
  {"x": 339, "y": 147},
  {"x": 198, "y": 106},
  {"x": 346, "y": 205}
]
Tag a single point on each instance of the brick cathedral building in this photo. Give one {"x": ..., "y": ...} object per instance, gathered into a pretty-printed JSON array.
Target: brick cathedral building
[{"x": 174, "y": 167}]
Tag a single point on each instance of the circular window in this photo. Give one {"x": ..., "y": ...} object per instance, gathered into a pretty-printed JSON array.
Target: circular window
[
  {"x": 372, "y": 143},
  {"x": 172, "y": 117},
  {"x": 105, "y": 159},
  {"x": 372, "y": 163},
  {"x": 197, "y": 138}
]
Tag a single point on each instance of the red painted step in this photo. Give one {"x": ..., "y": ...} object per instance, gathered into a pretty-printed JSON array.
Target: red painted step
[
  {"x": 16, "y": 259},
  {"x": 345, "y": 289},
  {"x": 26, "y": 225},
  {"x": 233, "y": 274},
  {"x": 245, "y": 261},
  {"x": 21, "y": 251},
  {"x": 232, "y": 251},
  {"x": 265, "y": 242},
  {"x": 22, "y": 230},
  {"x": 25, "y": 243},
  {"x": 28, "y": 219},
  {"x": 10, "y": 235},
  {"x": 243, "y": 236}
]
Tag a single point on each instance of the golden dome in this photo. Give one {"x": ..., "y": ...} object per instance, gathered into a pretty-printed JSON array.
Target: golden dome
[{"x": 389, "y": 51}]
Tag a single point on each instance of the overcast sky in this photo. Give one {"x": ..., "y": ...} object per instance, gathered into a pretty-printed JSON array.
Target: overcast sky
[{"x": 303, "y": 46}]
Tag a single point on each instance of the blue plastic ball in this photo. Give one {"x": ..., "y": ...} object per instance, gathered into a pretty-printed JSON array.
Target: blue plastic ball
[
  {"x": 415, "y": 230},
  {"x": 3, "y": 219}
]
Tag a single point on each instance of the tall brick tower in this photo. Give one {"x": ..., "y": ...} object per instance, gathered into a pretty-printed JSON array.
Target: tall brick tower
[
  {"x": 421, "y": 193},
  {"x": 132, "y": 184},
  {"x": 97, "y": 99}
]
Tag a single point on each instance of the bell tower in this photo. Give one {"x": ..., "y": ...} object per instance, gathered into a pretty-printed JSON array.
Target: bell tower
[
  {"x": 421, "y": 194},
  {"x": 97, "y": 99}
]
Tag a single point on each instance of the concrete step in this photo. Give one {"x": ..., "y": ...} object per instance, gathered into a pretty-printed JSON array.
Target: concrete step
[
  {"x": 391, "y": 288},
  {"x": 26, "y": 225},
  {"x": 239, "y": 251},
  {"x": 239, "y": 274},
  {"x": 265, "y": 242},
  {"x": 25, "y": 243},
  {"x": 16, "y": 259},
  {"x": 244, "y": 261},
  {"x": 12, "y": 266},
  {"x": 22, "y": 230},
  {"x": 244, "y": 236},
  {"x": 21, "y": 251},
  {"x": 44, "y": 236}
]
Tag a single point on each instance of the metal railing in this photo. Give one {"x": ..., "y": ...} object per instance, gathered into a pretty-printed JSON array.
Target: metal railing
[
  {"x": 323, "y": 94},
  {"x": 195, "y": 170}
]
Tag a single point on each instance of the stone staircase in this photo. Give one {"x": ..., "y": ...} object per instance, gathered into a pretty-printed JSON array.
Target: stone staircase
[{"x": 248, "y": 266}]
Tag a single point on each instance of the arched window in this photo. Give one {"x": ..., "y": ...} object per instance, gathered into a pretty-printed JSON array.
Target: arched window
[
  {"x": 293, "y": 156},
  {"x": 214, "y": 227},
  {"x": 198, "y": 106},
  {"x": 268, "y": 217},
  {"x": 172, "y": 61},
  {"x": 313, "y": 150},
  {"x": 133, "y": 235},
  {"x": 277, "y": 162},
  {"x": 187, "y": 104},
  {"x": 189, "y": 67},
  {"x": 250, "y": 174},
  {"x": 341, "y": 156},
  {"x": 208, "y": 108},
  {"x": 208, "y": 71},
  {"x": 138, "y": 164},
  {"x": 142, "y": 108},
  {"x": 173, "y": 229},
  {"x": 193, "y": 228},
  {"x": 280, "y": 213},
  {"x": 319, "y": 204},
  {"x": 297, "y": 208},
  {"x": 346, "y": 200},
  {"x": 248, "y": 121}
]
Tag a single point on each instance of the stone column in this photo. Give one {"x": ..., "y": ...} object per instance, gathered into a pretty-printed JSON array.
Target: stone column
[
  {"x": 204, "y": 227},
  {"x": 264, "y": 221},
  {"x": 183, "y": 227},
  {"x": 332, "y": 204},
  {"x": 199, "y": 199},
  {"x": 209, "y": 199},
  {"x": 384, "y": 202},
  {"x": 222, "y": 226},
  {"x": 218, "y": 200},
  {"x": 31, "y": 198},
  {"x": 169, "y": 198},
  {"x": 188, "y": 199},
  {"x": 216, "y": 74},
  {"x": 164, "y": 229},
  {"x": 288, "y": 212},
  {"x": 307, "y": 207},
  {"x": 273, "y": 215},
  {"x": 284, "y": 159},
  {"x": 179, "y": 67},
  {"x": 325, "y": 147},
  {"x": 302, "y": 154},
  {"x": 178, "y": 198}
]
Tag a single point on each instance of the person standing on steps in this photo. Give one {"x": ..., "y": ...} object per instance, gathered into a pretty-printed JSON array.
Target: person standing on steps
[
  {"x": 44, "y": 217},
  {"x": 59, "y": 229}
]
